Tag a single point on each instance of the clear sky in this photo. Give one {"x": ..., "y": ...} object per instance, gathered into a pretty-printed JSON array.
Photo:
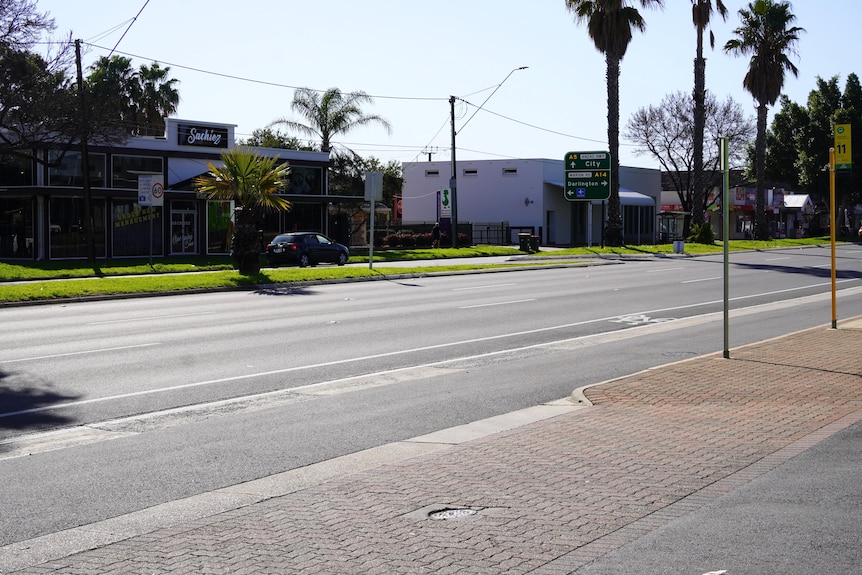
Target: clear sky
[{"x": 238, "y": 63}]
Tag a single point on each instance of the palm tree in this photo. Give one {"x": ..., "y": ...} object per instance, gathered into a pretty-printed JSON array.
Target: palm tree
[
  {"x": 252, "y": 182},
  {"x": 609, "y": 25},
  {"x": 330, "y": 113},
  {"x": 155, "y": 99},
  {"x": 767, "y": 36},
  {"x": 701, "y": 13}
]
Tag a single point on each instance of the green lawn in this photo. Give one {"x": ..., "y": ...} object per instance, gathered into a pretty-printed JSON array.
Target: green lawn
[{"x": 137, "y": 276}]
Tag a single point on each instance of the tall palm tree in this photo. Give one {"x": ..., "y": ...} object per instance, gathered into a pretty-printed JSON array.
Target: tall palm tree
[
  {"x": 701, "y": 13},
  {"x": 156, "y": 99},
  {"x": 330, "y": 113},
  {"x": 609, "y": 25},
  {"x": 767, "y": 35},
  {"x": 251, "y": 181}
]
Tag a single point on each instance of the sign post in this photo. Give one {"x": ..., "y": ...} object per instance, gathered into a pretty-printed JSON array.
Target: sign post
[
  {"x": 587, "y": 176},
  {"x": 373, "y": 191},
  {"x": 151, "y": 194}
]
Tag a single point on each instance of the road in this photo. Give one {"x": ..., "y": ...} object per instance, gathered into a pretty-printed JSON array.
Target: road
[{"x": 113, "y": 406}]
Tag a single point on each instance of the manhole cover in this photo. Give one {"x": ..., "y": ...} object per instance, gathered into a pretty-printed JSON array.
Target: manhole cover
[{"x": 452, "y": 513}]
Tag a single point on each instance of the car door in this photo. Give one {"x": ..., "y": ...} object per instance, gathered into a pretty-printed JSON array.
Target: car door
[{"x": 326, "y": 249}]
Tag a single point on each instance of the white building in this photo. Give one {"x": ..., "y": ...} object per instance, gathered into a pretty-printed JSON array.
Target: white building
[{"x": 528, "y": 196}]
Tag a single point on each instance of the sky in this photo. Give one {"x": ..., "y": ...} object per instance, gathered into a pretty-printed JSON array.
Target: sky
[{"x": 239, "y": 63}]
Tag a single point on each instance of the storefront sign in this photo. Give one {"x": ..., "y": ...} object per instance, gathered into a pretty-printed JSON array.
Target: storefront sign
[{"x": 201, "y": 136}]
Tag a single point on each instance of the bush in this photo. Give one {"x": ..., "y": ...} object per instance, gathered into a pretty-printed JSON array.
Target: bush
[{"x": 701, "y": 234}]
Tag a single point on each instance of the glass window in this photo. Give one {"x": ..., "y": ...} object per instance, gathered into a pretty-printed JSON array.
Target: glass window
[
  {"x": 126, "y": 169},
  {"x": 68, "y": 239},
  {"x": 305, "y": 181},
  {"x": 16, "y": 228},
  {"x": 219, "y": 226},
  {"x": 16, "y": 171},
  {"x": 133, "y": 234},
  {"x": 65, "y": 169}
]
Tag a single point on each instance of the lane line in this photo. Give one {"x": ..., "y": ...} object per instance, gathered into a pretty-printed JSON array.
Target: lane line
[
  {"x": 702, "y": 280},
  {"x": 483, "y": 287},
  {"x": 73, "y": 353},
  {"x": 149, "y": 318},
  {"x": 498, "y": 303},
  {"x": 41, "y": 409}
]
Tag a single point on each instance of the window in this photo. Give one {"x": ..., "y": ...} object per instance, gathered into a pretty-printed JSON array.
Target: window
[
  {"x": 432, "y": 173},
  {"x": 16, "y": 171},
  {"x": 66, "y": 222},
  {"x": 126, "y": 169},
  {"x": 305, "y": 181},
  {"x": 510, "y": 171},
  {"x": 135, "y": 230},
  {"x": 66, "y": 170},
  {"x": 471, "y": 172}
]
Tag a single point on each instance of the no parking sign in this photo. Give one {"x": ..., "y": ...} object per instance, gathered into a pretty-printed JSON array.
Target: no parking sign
[{"x": 151, "y": 190}]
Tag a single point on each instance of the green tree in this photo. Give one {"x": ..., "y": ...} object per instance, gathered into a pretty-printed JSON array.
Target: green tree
[
  {"x": 329, "y": 114},
  {"x": 701, "y": 14},
  {"x": 610, "y": 24},
  {"x": 767, "y": 36},
  {"x": 139, "y": 100},
  {"x": 252, "y": 182},
  {"x": 155, "y": 99},
  {"x": 269, "y": 138}
]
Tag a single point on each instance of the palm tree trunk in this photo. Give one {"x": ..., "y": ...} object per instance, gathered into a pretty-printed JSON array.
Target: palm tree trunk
[
  {"x": 761, "y": 221},
  {"x": 246, "y": 242},
  {"x": 614, "y": 229},
  {"x": 699, "y": 123}
]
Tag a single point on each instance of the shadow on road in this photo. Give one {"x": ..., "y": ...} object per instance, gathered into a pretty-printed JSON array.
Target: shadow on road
[{"x": 27, "y": 408}]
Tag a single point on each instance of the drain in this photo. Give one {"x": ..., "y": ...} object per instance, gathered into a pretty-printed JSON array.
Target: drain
[{"x": 450, "y": 513}]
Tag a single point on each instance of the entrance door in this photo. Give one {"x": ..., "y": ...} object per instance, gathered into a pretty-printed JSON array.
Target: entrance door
[{"x": 183, "y": 232}]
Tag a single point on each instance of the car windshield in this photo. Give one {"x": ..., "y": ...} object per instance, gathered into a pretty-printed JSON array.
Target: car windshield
[{"x": 285, "y": 239}]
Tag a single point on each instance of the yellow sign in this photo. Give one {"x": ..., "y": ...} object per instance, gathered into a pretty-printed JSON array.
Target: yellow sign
[{"x": 843, "y": 152}]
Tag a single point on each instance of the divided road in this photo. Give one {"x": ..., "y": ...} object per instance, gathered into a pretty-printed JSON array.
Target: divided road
[{"x": 107, "y": 407}]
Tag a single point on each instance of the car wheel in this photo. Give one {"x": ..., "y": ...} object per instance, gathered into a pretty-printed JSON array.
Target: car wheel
[
  {"x": 303, "y": 260},
  {"x": 342, "y": 258}
]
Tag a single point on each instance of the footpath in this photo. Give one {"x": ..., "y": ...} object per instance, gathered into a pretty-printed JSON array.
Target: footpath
[{"x": 746, "y": 464}]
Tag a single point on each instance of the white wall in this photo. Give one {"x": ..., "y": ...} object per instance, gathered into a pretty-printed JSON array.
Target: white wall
[{"x": 520, "y": 192}]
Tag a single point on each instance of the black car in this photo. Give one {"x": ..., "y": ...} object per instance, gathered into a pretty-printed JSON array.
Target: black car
[{"x": 305, "y": 249}]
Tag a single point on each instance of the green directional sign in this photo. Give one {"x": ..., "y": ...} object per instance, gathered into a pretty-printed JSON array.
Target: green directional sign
[{"x": 587, "y": 176}]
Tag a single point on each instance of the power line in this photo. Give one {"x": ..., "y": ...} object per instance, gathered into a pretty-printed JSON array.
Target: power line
[{"x": 129, "y": 26}]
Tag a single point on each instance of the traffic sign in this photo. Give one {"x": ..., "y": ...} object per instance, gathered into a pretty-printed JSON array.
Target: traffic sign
[
  {"x": 151, "y": 190},
  {"x": 587, "y": 176},
  {"x": 843, "y": 151}
]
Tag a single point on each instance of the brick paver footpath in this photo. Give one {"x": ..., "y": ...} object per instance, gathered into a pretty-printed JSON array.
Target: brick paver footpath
[{"x": 546, "y": 498}]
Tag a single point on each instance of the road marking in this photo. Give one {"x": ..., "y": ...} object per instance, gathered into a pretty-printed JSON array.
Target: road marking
[
  {"x": 483, "y": 287},
  {"x": 663, "y": 270},
  {"x": 848, "y": 291},
  {"x": 776, "y": 259},
  {"x": 498, "y": 303},
  {"x": 702, "y": 280},
  {"x": 149, "y": 318},
  {"x": 84, "y": 352}
]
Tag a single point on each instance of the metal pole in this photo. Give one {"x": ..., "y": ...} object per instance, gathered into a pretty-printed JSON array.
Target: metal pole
[
  {"x": 453, "y": 181},
  {"x": 725, "y": 201},
  {"x": 832, "y": 221}
]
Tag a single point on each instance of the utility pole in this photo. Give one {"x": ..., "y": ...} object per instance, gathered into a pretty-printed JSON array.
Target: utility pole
[
  {"x": 430, "y": 152},
  {"x": 453, "y": 181},
  {"x": 89, "y": 232}
]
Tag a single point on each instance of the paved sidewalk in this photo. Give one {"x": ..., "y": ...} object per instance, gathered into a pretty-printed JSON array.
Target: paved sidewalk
[{"x": 549, "y": 497}]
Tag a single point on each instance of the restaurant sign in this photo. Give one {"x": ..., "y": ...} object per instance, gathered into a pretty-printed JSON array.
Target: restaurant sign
[{"x": 201, "y": 136}]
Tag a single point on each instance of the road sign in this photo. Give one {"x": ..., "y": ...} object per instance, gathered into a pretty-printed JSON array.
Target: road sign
[
  {"x": 843, "y": 153},
  {"x": 151, "y": 190},
  {"x": 587, "y": 176}
]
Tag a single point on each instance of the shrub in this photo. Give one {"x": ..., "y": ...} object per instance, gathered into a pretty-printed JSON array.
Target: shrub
[{"x": 701, "y": 234}]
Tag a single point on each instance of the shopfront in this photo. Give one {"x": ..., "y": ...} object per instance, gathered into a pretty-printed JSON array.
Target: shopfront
[{"x": 43, "y": 206}]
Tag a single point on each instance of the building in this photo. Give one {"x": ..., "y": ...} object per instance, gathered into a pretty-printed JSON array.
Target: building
[
  {"x": 527, "y": 196},
  {"x": 42, "y": 203}
]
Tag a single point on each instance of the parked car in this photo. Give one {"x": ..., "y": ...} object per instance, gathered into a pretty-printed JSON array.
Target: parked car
[{"x": 305, "y": 249}]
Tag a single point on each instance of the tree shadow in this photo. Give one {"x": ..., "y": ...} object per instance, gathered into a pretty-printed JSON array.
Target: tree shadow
[{"x": 28, "y": 408}]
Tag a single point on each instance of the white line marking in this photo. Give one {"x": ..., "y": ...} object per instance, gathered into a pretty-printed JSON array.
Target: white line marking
[
  {"x": 148, "y": 318},
  {"x": 776, "y": 259},
  {"x": 430, "y": 347},
  {"x": 483, "y": 287},
  {"x": 702, "y": 280},
  {"x": 498, "y": 303},
  {"x": 71, "y": 353}
]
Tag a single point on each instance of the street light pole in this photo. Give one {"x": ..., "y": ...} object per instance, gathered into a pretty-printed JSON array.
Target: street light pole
[{"x": 453, "y": 181}]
